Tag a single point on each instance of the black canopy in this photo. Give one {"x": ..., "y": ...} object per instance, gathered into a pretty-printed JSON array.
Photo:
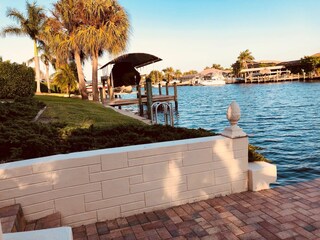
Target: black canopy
[{"x": 136, "y": 59}]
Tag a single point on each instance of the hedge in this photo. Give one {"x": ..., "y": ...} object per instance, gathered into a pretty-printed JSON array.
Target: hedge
[{"x": 16, "y": 80}]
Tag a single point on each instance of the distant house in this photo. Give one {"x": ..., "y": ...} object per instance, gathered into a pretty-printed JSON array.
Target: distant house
[
  {"x": 213, "y": 72},
  {"x": 190, "y": 79},
  {"x": 262, "y": 71},
  {"x": 293, "y": 66}
]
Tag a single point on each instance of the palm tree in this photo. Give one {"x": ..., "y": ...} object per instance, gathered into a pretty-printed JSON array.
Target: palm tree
[
  {"x": 65, "y": 78},
  {"x": 61, "y": 31},
  {"x": 105, "y": 28},
  {"x": 29, "y": 25},
  {"x": 155, "y": 76},
  {"x": 244, "y": 57},
  {"x": 46, "y": 57},
  {"x": 177, "y": 74},
  {"x": 169, "y": 72}
]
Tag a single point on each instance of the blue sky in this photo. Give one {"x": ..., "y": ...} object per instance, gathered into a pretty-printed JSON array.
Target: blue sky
[{"x": 193, "y": 34}]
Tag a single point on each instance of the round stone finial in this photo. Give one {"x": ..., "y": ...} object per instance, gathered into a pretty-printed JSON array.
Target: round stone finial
[{"x": 233, "y": 113}]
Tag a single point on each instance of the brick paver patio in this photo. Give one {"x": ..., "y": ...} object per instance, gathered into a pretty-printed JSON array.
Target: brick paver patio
[{"x": 289, "y": 212}]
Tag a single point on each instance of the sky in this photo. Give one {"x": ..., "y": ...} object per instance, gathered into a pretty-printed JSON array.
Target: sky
[{"x": 193, "y": 34}]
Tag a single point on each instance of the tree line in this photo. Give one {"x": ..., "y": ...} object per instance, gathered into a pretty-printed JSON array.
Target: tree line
[{"x": 73, "y": 31}]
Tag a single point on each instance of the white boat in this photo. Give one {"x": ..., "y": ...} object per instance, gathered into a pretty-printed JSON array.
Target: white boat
[{"x": 212, "y": 81}]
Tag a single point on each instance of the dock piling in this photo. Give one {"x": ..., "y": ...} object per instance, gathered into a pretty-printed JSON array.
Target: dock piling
[
  {"x": 160, "y": 93},
  {"x": 167, "y": 88},
  {"x": 175, "y": 96},
  {"x": 110, "y": 89},
  {"x": 149, "y": 97},
  {"x": 140, "y": 100}
]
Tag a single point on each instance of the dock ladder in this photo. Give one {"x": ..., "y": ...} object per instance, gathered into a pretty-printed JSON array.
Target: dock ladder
[{"x": 167, "y": 113}]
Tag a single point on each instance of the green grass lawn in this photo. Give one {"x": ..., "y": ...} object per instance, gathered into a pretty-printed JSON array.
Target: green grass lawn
[{"x": 77, "y": 113}]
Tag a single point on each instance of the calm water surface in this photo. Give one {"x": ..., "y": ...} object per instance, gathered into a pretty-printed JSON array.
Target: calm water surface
[{"x": 283, "y": 118}]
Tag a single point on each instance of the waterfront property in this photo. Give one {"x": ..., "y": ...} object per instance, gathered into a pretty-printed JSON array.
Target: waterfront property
[{"x": 269, "y": 74}]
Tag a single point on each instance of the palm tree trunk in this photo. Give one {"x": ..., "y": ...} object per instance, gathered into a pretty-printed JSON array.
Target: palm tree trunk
[
  {"x": 95, "y": 90},
  {"x": 37, "y": 66},
  {"x": 47, "y": 78},
  {"x": 82, "y": 84}
]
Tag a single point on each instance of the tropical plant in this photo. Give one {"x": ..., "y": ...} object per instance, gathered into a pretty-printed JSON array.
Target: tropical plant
[
  {"x": 61, "y": 30},
  {"x": 216, "y": 66},
  {"x": 236, "y": 68},
  {"x": 190, "y": 72},
  {"x": 244, "y": 57},
  {"x": 46, "y": 58},
  {"x": 309, "y": 63},
  {"x": 168, "y": 73},
  {"x": 65, "y": 78},
  {"x": 29, "y": 25},
  {"x": 105, "y": 28},
  {"x": 155, "y": 76},
  {"x": 177, "y": 74}
]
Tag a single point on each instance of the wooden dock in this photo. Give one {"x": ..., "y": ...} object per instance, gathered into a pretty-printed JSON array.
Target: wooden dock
[
  {"x": 147, "y": 99},
  {"x": 274, "y": 78},
  {"x": 135, "y": 101}
]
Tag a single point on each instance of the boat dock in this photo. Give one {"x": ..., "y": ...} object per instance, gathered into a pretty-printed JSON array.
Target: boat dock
[
  {"x": 146, "y": 99},
  {"x": 135, "y": 101},
  {"x": 275, "y": 78}
]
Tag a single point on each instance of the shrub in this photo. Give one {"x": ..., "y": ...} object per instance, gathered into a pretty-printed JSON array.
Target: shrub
[
  {"x": 20, "y": 109},
  {"x": 24, "y": 139},
  {"x": 16, "y": 80},
  {"x": 254, "y": 156},
  {"x": 108, "y": 137}
]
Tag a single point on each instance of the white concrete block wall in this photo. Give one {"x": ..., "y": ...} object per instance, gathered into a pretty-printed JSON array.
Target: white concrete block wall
[{"x": 92, "y": 186}]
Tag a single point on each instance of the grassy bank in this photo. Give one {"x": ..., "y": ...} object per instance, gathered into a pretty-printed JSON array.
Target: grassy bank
[
  {"x": 77, "y": 113},
  {"x": 71, "y": 125}
]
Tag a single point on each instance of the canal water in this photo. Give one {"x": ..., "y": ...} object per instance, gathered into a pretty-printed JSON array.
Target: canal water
[{"x": 282, "y": 118}]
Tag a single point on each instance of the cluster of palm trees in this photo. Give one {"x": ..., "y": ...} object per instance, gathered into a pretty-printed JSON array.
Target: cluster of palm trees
[
  {"x": 75, "y": 30},
  {"x": 167, "y": 74}
]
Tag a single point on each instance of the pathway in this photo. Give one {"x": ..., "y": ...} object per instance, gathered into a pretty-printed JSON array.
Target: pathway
[{"x": 288, "y": 212}]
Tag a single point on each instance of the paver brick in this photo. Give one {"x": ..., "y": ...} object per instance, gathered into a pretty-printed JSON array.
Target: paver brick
[{"x": 286, "y": 212}]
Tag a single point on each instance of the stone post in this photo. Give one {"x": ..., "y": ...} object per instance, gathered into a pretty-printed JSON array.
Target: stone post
[
  {"x": 260, "y": 174},
  {"x": 233, "y": 116}
]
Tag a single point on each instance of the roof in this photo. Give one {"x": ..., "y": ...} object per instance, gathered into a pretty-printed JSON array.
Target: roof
[
  {"x": 261, "y": 68},
  {"x": 269, "y": 61},
  {"x": 136, "y": 59},
  {"x": 211, "y": 71},
  {"x": 290, "y": 63}
]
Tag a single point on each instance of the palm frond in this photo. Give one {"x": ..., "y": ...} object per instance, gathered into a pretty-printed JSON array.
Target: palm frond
[
  {"x": 12, "y": 30},
  {"x": 16, "y": 15}
]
